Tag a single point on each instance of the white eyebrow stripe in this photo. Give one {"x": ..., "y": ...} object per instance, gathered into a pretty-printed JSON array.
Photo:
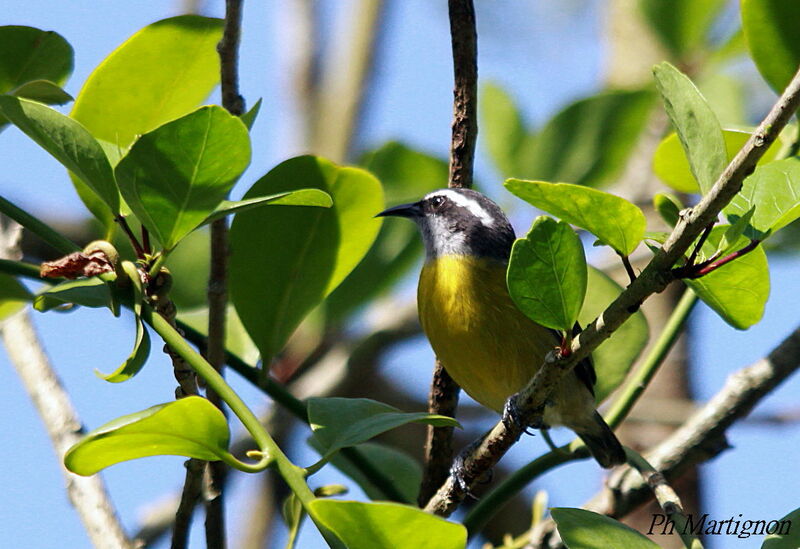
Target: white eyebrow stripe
[{"x": 465, "y": 202}]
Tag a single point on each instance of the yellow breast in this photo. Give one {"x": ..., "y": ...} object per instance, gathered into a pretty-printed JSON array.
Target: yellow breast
[{"x": 489, "y": 348}]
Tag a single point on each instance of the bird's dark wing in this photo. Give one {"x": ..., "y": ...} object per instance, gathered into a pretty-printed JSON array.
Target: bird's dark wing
[{"x": 585, "y": 368}]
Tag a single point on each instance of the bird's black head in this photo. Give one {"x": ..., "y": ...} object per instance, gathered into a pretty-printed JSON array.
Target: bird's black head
[{"x": 459, "y": 222}]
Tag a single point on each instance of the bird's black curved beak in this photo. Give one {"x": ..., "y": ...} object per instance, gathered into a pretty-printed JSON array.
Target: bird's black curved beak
[{"x": 403, "y": 210}]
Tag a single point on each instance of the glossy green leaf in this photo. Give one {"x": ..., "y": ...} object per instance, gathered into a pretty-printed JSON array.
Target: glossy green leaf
[
  {"x": 191, "y": 427},
  {"x": 341, "y": 422},
  {"x": 141, "y": 343},
  {"x": 732, "y": 235},
  {"x": 67, "y": 141},
  {"x": 581, "y": 529},
  {"x": 672, "y": 167},
  {"x": 301, "y": 197},
  {"x": 774, "y": 190},
  {"x": 695, "y": 123},
  {"x": 403, "y": 471},
  {"x": 236, "y": 339},
  {"x": 176, "y": 175},
  {"x": 284, "y": 261},
  {"x": 148, "y": 81},
  {"x": 739, "y": 290},
  {"x": 615, "y": 356},
  {"x": 612, "y": 219},
  {"x": 406, "y": 175},
  {"x": 249, "y": 118},
  {"x": 785, "y": 535},
  {"x": 771, "y": 32},
  {"x": 503, "y": 129},
  {"x": 668, "y": 207},
  {"x": 589, "y": 142},
  {"x": 189, "y": 264},
  {"x": 681, "y": 25},
  {"x": 547, "y": 274},
  {"x": 89, "y": 292},
  {"x": 13, "y": 296},
  {"x": 387, "y": 526},
  {"x": 32, "y": 54},
  {"x": 42, "y": 91}
]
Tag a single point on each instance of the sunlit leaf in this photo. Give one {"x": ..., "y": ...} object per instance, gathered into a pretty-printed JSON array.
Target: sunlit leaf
[
  {"x": 695, "y": 123},
  {"x": 503, "y": 130},
  {"x": 301, "y": 197},
  {"x": 785, "y": 537},
  {"x": 581, "y": 529},
  {"x": 739, "y": 290},
  {"x": 668, "y": 207},
  {"x": 771, "y": 32},
  {"x": 32, "y": 54},
  {"x": 176, "y": 175},
  {"x": 191, "y": 427},
  {"x": 681, "y": 25},
  {"x": 547, "y": 274},
  {"x": 236, "y": 339},
  {"x": 615, "y": 356},
  {"x": 42, "y": 91},
  {"x": 249, "y": 118},
  {"x": 774, "y": 191},
  {"x": 611, "y": 218},
  {"x": 89, "y": 292},
  {"x": 387, "y": 526},
  {"x": 67, "y": 141},
  {"x": 13, "y": 296},
  {"x": 284, "y": 261},
  {"x": 671, "y": 166},
  {"x": 341, "y": 422}
]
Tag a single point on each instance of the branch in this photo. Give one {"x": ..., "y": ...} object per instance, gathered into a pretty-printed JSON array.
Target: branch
[
  {"x": 443, "y": 394},
  {"x": 654, "y": 278},
  {"x": 87, "y": 494},
  {"x": 702, "y": 437}
]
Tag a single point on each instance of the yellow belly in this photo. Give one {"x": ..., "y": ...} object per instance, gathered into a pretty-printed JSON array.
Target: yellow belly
[{"x": 486, "y": 344}]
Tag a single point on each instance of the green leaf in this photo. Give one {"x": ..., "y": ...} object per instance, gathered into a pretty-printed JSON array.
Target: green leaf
[
  {"x": 13, "y": 296},
  {"x": 236, "y": 339},
  {"x": 341, "y": 422},
  {"x": 547, "y": 274},
  {"x": 302, "y": 197},
  {"x": 176, "y": 175},
  {"x": 771, "y": 32},
  {"x": 42, "y": 91},
  {"x": 191, "y": 427},
  {"x": 284, "y": 261},
  {"x": 695, "y": 123},
  {"x": 788, "y": 540},
  {"x": 737, "y": 291},
  {"x": 668, "y": 207},
  {"x": 89, "y": 292},
  {"x": 503, "y": 129},
  {"x": 189, "y": 264},
  {"x": 589, "y": 142},
  {"x": 581, "y": 529},
  {"x": 406, "y": 175},
  {"x": 774, "y": 190},
  {"x": 734, "y": 232},
  {"x": 615, "y": 357},
  {"x": 141, "y": 344},
  {"x": 249, "y": 118},
  {"x": 67, "y": 141},
  {"x": 672, "y": 167},
  {"x": 681, "y": 25},
  {"x": 403, "y": 471},
  {"x": 387, "y": 526},
  {"x": 148, "y": 81},
  {"x": 612, "y": 219},
  {"x": 32, "y": 54}
]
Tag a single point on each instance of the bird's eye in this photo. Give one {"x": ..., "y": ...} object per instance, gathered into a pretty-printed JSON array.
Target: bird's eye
[{"x": 437, "y": 202}]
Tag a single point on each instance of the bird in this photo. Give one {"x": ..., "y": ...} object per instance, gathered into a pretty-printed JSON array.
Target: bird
[{"x": 486, "y": 344}]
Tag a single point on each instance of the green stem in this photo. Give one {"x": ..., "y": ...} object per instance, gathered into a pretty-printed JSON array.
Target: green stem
[
  {"x": 156, "y": 266},
  {"x": 271, "y": 453},
  {"x": 38, "y": 227},
  {"x": 666, "y": 497},
  {"x": 644, "y": 374},
  {"x": 19, "y": 268}
]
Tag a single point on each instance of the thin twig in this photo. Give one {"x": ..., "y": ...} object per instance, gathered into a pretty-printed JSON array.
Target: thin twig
[
  {"x": 120, "y": 219},
  {"x": 626, "y": 262},
  {"x": 87, "y": 494},
  {"x": 443, "y": 395},
  {"x": 654, "y": 278}
]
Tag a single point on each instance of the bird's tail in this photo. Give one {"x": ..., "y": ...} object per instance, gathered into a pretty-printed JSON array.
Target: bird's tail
[{"x": 602, "y": 442}]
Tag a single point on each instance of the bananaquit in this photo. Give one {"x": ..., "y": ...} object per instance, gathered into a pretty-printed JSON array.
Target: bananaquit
[{"x": 484, "y": 342}]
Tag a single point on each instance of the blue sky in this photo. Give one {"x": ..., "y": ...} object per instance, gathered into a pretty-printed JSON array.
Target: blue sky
[{"x": 544, "y": 56}]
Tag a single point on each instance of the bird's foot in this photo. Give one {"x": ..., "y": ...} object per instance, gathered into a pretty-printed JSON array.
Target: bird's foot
[
  {"x": 513, "y": 418},
  {"x": 460, "y": 473}
]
